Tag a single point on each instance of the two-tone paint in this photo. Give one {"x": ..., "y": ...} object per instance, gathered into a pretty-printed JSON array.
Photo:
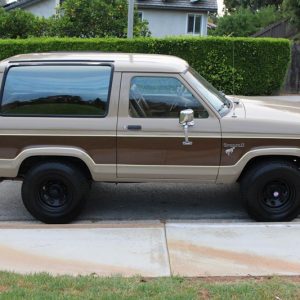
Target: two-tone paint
[{"x": 222, "y": 145}]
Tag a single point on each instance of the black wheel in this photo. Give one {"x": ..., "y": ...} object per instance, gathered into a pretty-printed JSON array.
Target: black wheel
[
  {"x": 271, "y": 191},
  {"x": 54, "y": 192}
]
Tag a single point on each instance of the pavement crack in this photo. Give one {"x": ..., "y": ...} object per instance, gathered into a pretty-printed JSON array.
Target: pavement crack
[{"x": 167, "y": 247}]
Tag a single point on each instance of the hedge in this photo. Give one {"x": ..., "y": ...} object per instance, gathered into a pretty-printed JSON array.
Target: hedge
[{"x": 243, "y": 66}]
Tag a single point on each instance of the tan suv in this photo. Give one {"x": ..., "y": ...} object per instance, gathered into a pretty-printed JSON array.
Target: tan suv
[{"x": 71, "y": 118}]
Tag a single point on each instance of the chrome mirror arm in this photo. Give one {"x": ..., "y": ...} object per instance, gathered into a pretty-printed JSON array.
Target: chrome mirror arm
[
  {"x": 186, "y": 119},
  {"x": 186, "y": 126}
]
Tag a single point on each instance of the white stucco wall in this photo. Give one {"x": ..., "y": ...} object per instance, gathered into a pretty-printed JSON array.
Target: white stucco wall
[
  {"x": 164, "y": 23},
  {"x": 44, "y": 8}
]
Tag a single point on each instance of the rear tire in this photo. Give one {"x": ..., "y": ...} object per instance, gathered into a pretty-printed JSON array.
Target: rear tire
[
  {"x": 54, "y": 192},
  {"x": 271, "y": 191}
]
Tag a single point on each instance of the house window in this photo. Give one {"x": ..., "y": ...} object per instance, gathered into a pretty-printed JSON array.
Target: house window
[
  {"x": 140, "y": 14},
  {"x": 194, "y": 24}
]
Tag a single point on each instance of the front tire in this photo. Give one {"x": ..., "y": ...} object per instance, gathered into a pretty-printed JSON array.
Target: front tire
[
  {"x": 271, "y": 191},
  {"x": 54, "y": 192}
]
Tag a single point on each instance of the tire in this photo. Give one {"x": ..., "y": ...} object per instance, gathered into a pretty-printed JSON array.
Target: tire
[
  {"x": 54, "y": 192},
  {"x": 271, "y": 191}
]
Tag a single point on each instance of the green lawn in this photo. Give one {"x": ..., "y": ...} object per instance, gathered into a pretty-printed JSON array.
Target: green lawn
[{"x": 43, "y": 286}]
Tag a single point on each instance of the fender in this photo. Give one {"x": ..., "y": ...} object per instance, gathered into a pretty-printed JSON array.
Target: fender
[
  {"x": 230, "y": 174},
  {"x": 99, "y": 172}
]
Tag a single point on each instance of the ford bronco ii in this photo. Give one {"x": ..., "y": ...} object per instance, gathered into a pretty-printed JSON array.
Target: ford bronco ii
[{"x": 71, "y": 118}]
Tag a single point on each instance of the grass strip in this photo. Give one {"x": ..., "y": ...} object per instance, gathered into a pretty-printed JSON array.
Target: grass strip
[{"x": 44, "y": 286}]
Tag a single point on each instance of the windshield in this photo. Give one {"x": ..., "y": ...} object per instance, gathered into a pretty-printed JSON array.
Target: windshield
[{"x": 217, "y": 99}]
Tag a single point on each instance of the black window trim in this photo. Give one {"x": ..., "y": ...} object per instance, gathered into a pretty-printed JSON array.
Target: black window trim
[
  {"x": 56, "y": 63},
  {"x": 169, "y": 75}
]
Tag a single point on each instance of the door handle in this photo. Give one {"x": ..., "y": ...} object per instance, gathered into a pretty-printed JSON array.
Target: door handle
[{"x": 134, "y": 127}]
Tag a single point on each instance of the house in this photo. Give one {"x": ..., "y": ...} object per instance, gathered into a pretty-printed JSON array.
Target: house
[
  {"x": 176, "y": 17},
  {"x": 165, "y": 17}
]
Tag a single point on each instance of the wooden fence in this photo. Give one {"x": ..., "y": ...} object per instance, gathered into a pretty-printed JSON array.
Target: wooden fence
[
  {"x": 292, "y": 84},
  {"x": 283, "y": 29},
  {"x": 280, "y": 29}
]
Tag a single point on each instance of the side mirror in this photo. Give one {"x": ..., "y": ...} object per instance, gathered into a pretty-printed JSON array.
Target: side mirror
[{"x": 186, "y": 119}]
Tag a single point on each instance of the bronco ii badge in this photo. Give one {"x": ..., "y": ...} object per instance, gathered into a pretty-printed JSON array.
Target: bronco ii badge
[{"x": 232, "y": 147}]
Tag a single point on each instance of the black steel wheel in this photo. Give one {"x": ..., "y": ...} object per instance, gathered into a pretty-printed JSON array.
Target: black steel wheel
[
  {"x": 54, "y": 192},
  {"x": 278, "y": 194},
  {"x": 271, "y": 191}
]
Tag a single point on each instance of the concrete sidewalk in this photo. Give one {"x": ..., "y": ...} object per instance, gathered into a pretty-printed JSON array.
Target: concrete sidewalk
[{"x": 152, "y": 248}]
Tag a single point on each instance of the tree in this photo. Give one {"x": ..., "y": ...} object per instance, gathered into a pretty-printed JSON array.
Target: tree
[
  {"x": 20, "y": 24},
  {"x": 292, "y": 11},
  {"x": 254, "y": 5},
  {"x": 244, "y": 22},
  {"x": 94, "y": 18},
  {"x": 74, "y": 18}
]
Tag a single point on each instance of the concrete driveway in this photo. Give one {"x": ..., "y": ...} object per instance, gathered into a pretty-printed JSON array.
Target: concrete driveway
[{"x": 149, "y": 230}]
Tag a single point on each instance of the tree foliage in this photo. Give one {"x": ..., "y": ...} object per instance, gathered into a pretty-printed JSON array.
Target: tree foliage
[
  {"x": 95, "y": 18},
  {"x": 20, "y": 24},
  {"x": 244, "y": 22},
  {"x": 292, "y": 11},
  {"x": 74, "y": 18},
  {"x": 254, "y": 5}
]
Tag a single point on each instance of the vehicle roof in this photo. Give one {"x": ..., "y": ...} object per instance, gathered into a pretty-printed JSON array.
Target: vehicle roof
[{"x": 122, "y": 61}]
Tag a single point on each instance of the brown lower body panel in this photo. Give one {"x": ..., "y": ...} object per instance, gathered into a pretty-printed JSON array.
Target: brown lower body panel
[
  {"x": 168, "y": 151},
  {"x": 101, "y": 149}
]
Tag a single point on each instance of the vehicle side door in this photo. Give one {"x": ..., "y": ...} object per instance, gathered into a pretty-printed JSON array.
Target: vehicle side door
[{"x": 150, "y": 139}]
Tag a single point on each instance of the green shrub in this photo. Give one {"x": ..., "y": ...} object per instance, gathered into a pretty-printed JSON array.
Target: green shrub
[
  {"x": 73, "y": 18},
  {"x": 245, "y": 66},
  {"x": 19, "y": 23},
  {"x": 244, "y": 22}
]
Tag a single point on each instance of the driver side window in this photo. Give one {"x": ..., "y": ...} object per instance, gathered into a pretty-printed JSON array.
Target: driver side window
[{"x": 161, "y": 97}]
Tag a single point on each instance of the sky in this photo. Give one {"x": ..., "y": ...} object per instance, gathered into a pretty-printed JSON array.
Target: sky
[{"x": 220, "y": 7}]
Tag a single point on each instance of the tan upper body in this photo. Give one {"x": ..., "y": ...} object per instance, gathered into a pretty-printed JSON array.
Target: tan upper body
[
  {"x": 126, "y": 62},
  {"x": 223, "y": 141}
]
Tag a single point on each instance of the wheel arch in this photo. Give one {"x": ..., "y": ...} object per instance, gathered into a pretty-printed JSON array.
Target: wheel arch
[
  {"x": 30, "y": 161},
  {"x": 265, "y": 159},
  {"x": 28, "y": 157},
  {"x": 233, "y": 173}
]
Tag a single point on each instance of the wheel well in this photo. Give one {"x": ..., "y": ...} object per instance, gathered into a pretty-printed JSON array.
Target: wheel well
[
  {"x": 30, "y": 161},
  {"x": 264, "y": 159}
]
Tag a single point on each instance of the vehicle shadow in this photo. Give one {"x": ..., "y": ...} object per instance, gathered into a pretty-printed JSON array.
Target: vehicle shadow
[{"x": 156, "y": 201}]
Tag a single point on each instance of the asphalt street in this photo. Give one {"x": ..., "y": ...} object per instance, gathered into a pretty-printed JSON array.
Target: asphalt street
[{"x": 147, "y": 201}]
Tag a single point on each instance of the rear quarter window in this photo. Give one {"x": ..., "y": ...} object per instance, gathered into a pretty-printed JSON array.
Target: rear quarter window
[{"x": 57, "y": 91}]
